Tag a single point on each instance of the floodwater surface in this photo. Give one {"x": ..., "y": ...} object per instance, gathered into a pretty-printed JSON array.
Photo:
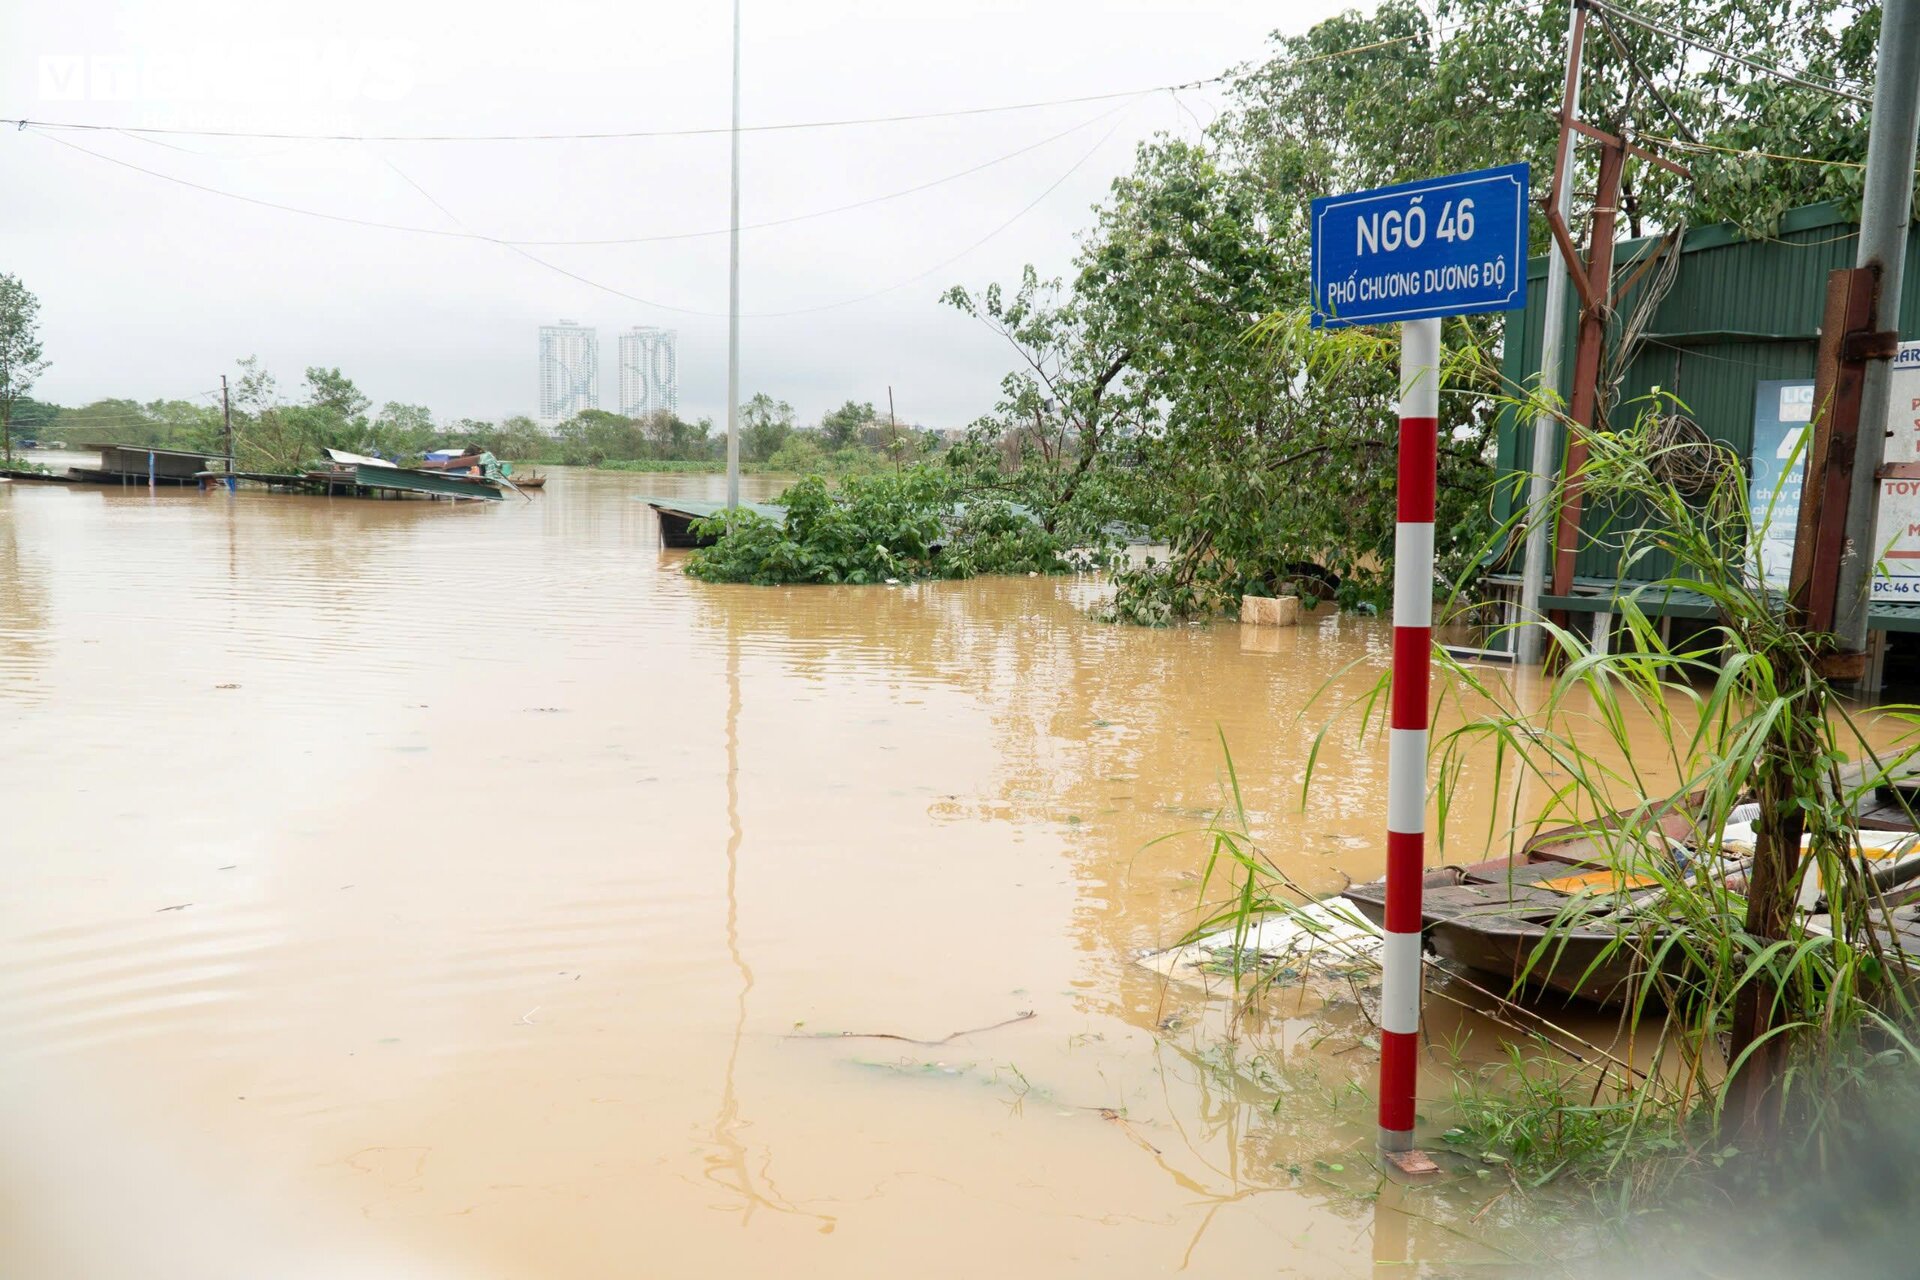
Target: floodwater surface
[{"x": 399, "y": 889}]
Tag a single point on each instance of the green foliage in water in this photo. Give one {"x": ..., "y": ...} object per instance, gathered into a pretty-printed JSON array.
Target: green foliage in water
[{"x": 881, "y": 527}]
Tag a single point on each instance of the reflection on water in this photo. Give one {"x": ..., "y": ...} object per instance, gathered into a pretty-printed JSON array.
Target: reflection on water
[
  {"x": 471, "y": 887},
  {"x": 23, "y": 610}
]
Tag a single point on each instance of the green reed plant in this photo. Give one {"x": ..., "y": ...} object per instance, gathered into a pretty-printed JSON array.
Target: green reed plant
[
  {"x": 1769, "y": 1026},
  {"x": 1739, "y": 712}
]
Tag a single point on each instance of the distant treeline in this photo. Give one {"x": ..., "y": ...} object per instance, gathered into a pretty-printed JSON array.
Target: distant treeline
[{"x": 277, "y": 432}]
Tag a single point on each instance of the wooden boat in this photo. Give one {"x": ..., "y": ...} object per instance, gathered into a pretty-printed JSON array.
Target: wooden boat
[
  {"x": 532, "y": 480},
  {"x": 1492, "y": 916},
  {"x": 1575, "y": 914}
]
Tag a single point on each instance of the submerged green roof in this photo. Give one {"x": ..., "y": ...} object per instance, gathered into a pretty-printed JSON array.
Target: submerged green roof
[{"x": 701, "y": 509}]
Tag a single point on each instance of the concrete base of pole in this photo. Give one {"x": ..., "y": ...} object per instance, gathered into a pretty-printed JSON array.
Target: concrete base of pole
[{"x": 1412, "y": 1163}]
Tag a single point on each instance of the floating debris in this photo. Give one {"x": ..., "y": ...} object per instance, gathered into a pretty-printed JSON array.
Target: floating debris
[{"x": 1328, "y": 942}]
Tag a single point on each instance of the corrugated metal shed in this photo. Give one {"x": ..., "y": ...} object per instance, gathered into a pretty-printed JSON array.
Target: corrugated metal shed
[{"x": 1740, "y": 311}]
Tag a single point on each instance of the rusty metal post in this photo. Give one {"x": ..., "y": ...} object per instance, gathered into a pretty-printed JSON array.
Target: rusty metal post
[
  {"x": 1584, "y": 403},
  {"x": 1813, "y": 588},
  {"x": 1819, "y": 540}
]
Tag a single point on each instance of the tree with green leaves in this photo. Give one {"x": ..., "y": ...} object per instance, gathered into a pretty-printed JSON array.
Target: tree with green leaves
[
  {"x": 673, "y": 438},
  {"x": 335, "y": 412},
  {"x": 273, "y": 435},
  {"x": 518, "y": 437},
  {"x": 335, "y": 393},
  {"x": 35, "y": 418},
  {"x": 1139, "y": 391},
  {"x": 1363, "y": 100},
  {"x": 1053, "y": 440},
  {"x": 843, "y": 426},
  {"x": 162, "y": 424},
  {"x": 401, "y": 429},
  {"x": 765, "y": 424},
  {"x": 21, "y": 362},
  {"x": 593, "y": 436}
]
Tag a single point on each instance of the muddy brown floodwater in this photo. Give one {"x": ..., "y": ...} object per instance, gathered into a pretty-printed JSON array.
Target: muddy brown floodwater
[{"x": 401, "y": 890}]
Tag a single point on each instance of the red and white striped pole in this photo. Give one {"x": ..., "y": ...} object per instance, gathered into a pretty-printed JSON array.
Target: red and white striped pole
[{"x": 1407, "y": 728}]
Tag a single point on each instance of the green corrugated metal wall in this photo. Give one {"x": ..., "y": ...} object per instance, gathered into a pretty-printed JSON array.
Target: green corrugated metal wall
[{"x": 1740, "y": 312}]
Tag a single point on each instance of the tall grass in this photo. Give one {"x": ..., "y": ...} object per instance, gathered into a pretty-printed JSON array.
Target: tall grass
[
  {"x": 1738, "y": 712},
  {"x": 1769, "y": 1025}
]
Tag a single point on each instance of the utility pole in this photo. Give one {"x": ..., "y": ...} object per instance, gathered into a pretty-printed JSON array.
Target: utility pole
[
  {"x": 1594, "y": 280},
  {"x": 1529, "y": 638},
  {"x": 226, "y": 427},
  {"x": 1583, "y": 406},
  {"x": 733, "y": 290},
  {"x": 1886, "y": 209},
  {"x": 893, "y": 425}
]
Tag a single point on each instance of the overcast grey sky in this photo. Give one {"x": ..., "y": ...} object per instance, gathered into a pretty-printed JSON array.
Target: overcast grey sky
[{"x": 150, "y": 288}]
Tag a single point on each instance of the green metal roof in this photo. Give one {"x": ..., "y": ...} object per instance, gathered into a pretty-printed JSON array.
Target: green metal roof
[
  {"x": 701, "y": 509},
  {"x": 400, "y": 478},
  {"x": 1742, "y": 310}
]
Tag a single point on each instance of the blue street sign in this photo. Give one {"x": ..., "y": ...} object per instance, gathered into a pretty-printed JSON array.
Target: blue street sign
[{"x": 1439, "y": 247}]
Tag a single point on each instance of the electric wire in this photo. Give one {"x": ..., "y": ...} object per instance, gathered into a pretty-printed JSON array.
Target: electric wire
[
  {"x": 944, "y": 263},
  {"x": 704, "y": 131},
  {"x": 1332, "y": 55},
  {"x": 1682, "y": 144},
  {"x": 843, "y": 302},
  {"x": 465, "y": 233},
  {"x": 1633, "y": 69},
  {"x": 1688, "y": 38},
  {"x": 44, "y": 129}
]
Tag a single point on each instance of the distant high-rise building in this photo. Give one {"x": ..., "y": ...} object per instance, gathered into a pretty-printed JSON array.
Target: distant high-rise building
[
  {"x": 569, "y": 370},
  {"x": 649, "y": 371}
]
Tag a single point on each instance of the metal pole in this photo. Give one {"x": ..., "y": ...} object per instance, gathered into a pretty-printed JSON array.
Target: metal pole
[
  {"x": 733, "y": 290},
  {"x": 1886, "y": 209},
  {"x": 1529, "y": 639},
  {"x": 1583, "y": 405},
  {"x": 1407, "y": 728},
  {"x": 226, "y": 428},
  {"x": 893, "y": 427}
]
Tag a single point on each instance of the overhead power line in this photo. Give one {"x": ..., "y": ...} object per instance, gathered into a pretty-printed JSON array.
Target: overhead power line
[
  {"x": 465, "y": 233},
  {"x": 944, "y": 263},
  {"x": 948, "y": 261},
  {"x": 1687, "y": 37},
  {"x": 609, "y": 135},
  {"x": 1748, "y": 153},
  {"x": 157, "y": 131}
]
